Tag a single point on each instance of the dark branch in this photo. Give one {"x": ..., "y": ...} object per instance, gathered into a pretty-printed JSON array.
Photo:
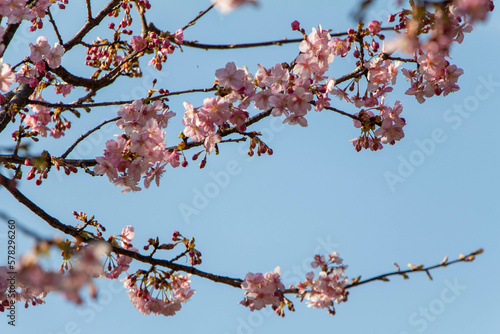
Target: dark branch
[
  {"x": 193, "y": 21},
  {"x": 90, "y": 24},
  {"x": 80, "y": 235}
]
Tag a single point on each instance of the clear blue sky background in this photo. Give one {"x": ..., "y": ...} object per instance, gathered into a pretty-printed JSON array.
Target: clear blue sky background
[{"x": 316, "y": 194}]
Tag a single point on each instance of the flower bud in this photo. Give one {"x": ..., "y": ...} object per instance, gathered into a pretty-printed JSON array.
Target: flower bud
[{"x": 295, "y": 25}]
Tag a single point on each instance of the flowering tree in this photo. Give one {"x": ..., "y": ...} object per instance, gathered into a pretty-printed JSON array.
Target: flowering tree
[{"x": 414, "y": 43}]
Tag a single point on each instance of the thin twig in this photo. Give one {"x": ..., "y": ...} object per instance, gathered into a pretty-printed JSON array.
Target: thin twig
[
  {"x": 89, "y": 10},
  {"x": 383, "y": 277},
  {"x": 114, "y": 103},
  {"x": 70, "y": 230},
  {"x": 90, "y": 24},
  {"x": 195, "y": 44},
  {"x": 234, "y": 282},
  {"x": 142, "y": 17},
  {"x": 23, "y": 228},
  {"x": 56, "y": 30},
  {"x": 82, "y": 137},
  {"x": 193, "y": 21}
]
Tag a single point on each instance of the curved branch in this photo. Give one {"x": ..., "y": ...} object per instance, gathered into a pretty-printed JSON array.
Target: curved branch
[
  {"x": 82, "y": 137},
  {"x": 80, "y": 235},
  {"x": 200, "y": 14},
  {"x": 116, "y": 103},
  {"x": 195, "y": 44},
  {"x": 56, "y": 30},
  {"x": 234, "y": 282},
  {"x": 90, "y": 24}
]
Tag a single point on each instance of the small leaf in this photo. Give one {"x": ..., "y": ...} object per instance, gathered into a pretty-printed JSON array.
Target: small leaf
[{"x": 444, "y": 260}]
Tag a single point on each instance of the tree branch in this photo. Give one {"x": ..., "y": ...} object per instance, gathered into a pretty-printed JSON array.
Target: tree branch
[
  {"x": 81, "y": 235},
  {"x": 82, "y": 137},
  {"x": 193, "y": 21},
  {"x": 90, "y": 24},
  {"x": 56, "y": 30},
  {"x": 234, "y": 282},
  {"x": 89, "y": 10},
  {"x": 195, "y": 44}
]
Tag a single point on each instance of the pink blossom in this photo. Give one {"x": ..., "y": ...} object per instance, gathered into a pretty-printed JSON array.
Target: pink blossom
[
  {"x": 374, "y": 27},
  {"x": 262, "y": 290},
  {"x": 450, "y": 79},
  {"x": 172, "y": 158},
  {"x": 210, "y": 142},
  {"x": 230, "y": 76},
  {"x": 39, "y": 120},
  {"x": 40, "y": 8},
  {"x": 128, "y": 235},
  {"x": 298, "y": 102},
  {"x": 144, "y": 138},
  {"x": 146, "y": 304},
  {"x": 105, "y": 167},
  {"x": 179, "y": 36},
  {"x": 227, "y": 6},
  {"x": 431, "y": 65},
  {"x": 238, "y": 118},
  {"x": 41, "y": 48},
  {"x": 477, "y": 9},
  {"x": 339, "y": 46},
  {"x": 321, "y": 103},
  {"x": 215, "y": 110},
  {"x": 330, "y": 285},
  {"x": 305, "y": 65},
  {"x": 391, "y": 130},
  {"x": 54, "y": 56},
  {"x": 64, "y": 89},
  {"x": 261, "y": 99},
  {"x": 154, "y": 173},
  {"x": 380, "y": 73},
  {"x": 195, "y": 132},
  {"x": 279, "y": 104},
  {"x": 294, "y": 119},
  {"x": 138, "y": 43},
  {"x": 4, "y": 284},
  {"x": 261, "y": 75},
  {"x": 7, "y": 78},
  {"x": 278, "y": 79}
]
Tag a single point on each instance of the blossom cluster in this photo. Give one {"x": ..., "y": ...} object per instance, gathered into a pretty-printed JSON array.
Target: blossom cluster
[
  {"x": 122, "y": 263},
  {"x": 41, "y": 117},
  {"x": 262, "y": 290},
  {"x": 42, "y": 53},
  {"x": 17, "y": 10},
  {"x": 81, "y": 263},
  {"x": 33, "y": 283},
  {"x": 330, "y": 285},
  {"x": 292, "y": 89},
  {"x": 175, "y": 288},
  {"x": 140, "y": 150},
  {"x": 42, "y": 50}
]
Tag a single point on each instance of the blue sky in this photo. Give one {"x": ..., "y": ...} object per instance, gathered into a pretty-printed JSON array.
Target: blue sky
[{"x": 315, "y": 194}]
